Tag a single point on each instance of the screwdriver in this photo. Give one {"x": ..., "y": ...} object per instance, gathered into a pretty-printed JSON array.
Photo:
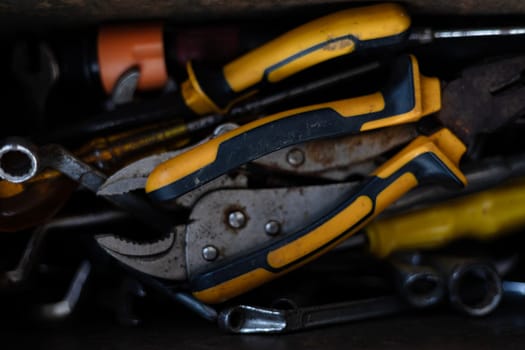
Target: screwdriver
[
  {"x": 484, "y": 215},
  {"x": 347, "y": 32}
]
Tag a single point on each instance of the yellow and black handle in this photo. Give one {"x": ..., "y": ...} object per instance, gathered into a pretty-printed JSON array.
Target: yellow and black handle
[
  {"x": 426, "y": 159},
  {"x": 341, "y": 33},
  {"x": 485, "y": 215},
  {"x": 405, "y": 98}
]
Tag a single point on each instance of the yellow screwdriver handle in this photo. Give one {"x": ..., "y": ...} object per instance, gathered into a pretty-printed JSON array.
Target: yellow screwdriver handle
[
  {"x": 482, "y": 216},
  {"x": 341, "y": 33}
]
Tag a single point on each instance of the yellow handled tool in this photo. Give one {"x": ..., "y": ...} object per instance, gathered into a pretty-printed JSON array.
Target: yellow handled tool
[
  {"x": 433, "y": 159},
  {"x": 341, "y": 33},
  {"x": 484, "y": 215},
  {"x": 406, "y": 98}
]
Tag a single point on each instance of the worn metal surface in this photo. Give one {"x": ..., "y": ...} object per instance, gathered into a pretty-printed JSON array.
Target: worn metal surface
[
  {"x": 179, "y": 254},
  {"x": 75, "y": 12},
  {"x": 209, "y": 224},
  {"x": 484, "y": 98},
  {"x": 163, "y": 258},
  {"x": 338, "y": 158},
  {"x": 334, "y": 159}
]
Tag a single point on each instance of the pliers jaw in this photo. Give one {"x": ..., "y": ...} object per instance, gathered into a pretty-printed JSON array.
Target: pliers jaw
[
  {"x": 484, "y": 98},
  {"x": 164, "y": 258}
]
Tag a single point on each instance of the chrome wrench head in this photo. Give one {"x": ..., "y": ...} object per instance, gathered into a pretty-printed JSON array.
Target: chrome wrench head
[
  {"x": 474, "y": 286},
  {"x": 475, "y": 289},
  {"x": 247, "y": 319},
  {"x": 421, "y": 286},
  {"x": 19, "y": 160}
]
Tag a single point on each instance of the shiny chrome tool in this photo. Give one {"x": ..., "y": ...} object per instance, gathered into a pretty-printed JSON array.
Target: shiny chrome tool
[{"x": 247, "y": 319}]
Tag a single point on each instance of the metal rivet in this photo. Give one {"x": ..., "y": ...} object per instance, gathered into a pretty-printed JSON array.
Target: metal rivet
[
  {"x": 236, "y": 219},
  {"x": 272, "y": 227},
  {"x": 295, "y": 157},
  {"x": 210, "y": 253}
]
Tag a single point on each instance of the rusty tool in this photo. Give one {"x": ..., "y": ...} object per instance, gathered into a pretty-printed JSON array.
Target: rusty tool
[
  {"x": 419, "y": 96},
  {"x": 420, "y": 161},
  {"x": 239, "y": 272},
  {"x": 469, "y": 116}
]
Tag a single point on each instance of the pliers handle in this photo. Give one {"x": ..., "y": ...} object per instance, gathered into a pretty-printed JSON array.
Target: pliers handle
[
  {"x": 342, "y": 33},
  {"x": 406, "y": 97},
  {"x": 426, "y": 159}
]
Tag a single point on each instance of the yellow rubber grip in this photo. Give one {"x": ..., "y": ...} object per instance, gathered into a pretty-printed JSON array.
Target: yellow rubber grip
[
  {"x": 323, "y": 39},
  {"x": 361, "y": 24},
  {"x": 483, "y": 216}
]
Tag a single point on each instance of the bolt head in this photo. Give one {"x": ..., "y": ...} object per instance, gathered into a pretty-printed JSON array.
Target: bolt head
[
  {"x": 272, "y": 227},
  {"x": 236, "y": 219},
  {"x": 210, "y": 253},
  {"x": 295, "y": 157}
]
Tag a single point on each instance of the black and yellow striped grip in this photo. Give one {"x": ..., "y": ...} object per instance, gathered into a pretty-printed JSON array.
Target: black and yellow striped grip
[
  {"x": 426, "y": 159},
  {"x": 341, "y": 33},
  {"x": 405, "y": 98}
]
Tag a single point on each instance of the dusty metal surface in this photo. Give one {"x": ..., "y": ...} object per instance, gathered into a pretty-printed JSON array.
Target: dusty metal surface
[
  {"x": 338, "y": 158},
  {"x": 487, "y": 97},
  {"x": 77, "y": 12},
  {"x": 209, "y": 223}
]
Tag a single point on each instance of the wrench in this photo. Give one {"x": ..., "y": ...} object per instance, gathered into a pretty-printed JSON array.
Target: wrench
[{"x": 246, "y": 319}]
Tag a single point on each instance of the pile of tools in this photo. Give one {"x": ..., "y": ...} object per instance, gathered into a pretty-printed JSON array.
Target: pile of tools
[{"x": 219, "y": 187}]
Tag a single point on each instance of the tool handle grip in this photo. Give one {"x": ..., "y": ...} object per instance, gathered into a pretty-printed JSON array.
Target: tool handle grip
[
  {"x": 341, "y": 33},
  {"x": 483, "y": 216},
  {"x": 406, "y": 98},
  {"x": 421, "y": 161}
]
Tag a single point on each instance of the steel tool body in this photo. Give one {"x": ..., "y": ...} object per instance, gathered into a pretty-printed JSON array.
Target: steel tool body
[
  {"x": 434, "y": 158},
  {"x": 406, "y": 98},
  {"x": 421, "y": 161}
]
